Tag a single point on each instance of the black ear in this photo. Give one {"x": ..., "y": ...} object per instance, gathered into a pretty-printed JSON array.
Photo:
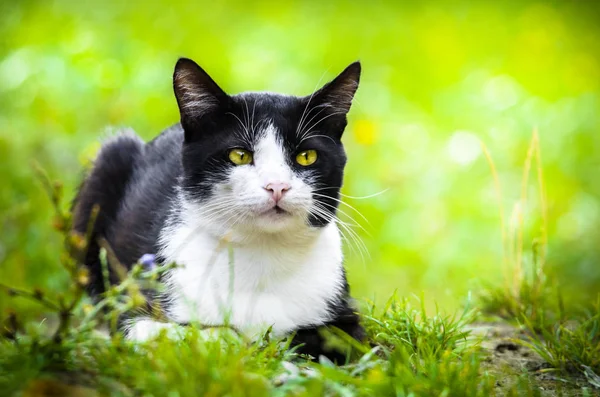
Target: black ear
[
  {"x": 327, "y": 108},
  {"x": 338, "y": 93},
  {"x": 198, "y": 96}
]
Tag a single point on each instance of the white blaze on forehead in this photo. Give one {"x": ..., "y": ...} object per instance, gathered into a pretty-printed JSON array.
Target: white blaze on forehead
[{"x": 269, "y": 157}]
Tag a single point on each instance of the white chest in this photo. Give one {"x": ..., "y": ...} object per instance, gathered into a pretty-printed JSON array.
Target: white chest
[{"x": 270, "y": 282}]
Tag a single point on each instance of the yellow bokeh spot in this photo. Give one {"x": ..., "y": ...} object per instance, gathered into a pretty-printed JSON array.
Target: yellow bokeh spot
[{"x": 365, "y": 132}]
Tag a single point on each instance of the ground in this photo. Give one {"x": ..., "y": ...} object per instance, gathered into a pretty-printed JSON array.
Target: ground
[{"x": 506, "y": 354}]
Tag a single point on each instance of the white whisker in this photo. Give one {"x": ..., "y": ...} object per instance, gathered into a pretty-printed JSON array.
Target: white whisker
[
  {"x": 366, "y": 197},
  {"x": 299, "y": 127},
  {"x": 356, "y": 245},
  {"x": 343, "y": 202}
]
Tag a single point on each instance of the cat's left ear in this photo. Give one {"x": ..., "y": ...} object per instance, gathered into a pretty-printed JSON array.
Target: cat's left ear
[
  {"x": 339, "y": 92},
  {"x": 335, "y": 99}
]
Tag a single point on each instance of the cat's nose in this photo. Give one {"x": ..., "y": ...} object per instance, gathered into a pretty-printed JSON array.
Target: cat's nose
[{"x": 277, "y": 190}]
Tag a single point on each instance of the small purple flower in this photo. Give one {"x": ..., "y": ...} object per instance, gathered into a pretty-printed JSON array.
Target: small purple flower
[{"x": 148, "y": 261}]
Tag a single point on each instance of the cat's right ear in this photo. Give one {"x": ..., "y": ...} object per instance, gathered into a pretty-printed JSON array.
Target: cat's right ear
[{"x": 198, "y": 96}]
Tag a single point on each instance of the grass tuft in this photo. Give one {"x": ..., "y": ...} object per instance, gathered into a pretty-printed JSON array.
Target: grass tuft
[
  {"x": 399, "y": 324},
  {"x": 572, "y": 346},
  {"x": 525, "y": 288}
]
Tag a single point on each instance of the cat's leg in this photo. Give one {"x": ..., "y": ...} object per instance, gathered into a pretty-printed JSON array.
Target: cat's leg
[
  {"x": 141, "y": 329},
  {"x": 314, "y": 343}
]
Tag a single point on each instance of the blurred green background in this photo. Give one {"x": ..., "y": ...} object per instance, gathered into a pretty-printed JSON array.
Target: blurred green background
[{"x": 438, "y": 79}]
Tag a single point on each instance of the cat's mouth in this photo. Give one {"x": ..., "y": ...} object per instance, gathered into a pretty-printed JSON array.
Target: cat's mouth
[{"x": 277, "y": 210}]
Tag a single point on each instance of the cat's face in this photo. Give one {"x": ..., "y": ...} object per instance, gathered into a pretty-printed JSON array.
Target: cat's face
[{"x": 262, "y": 162}]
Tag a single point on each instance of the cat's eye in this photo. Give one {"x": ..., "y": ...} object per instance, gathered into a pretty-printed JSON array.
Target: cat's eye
[
  {"x": 240, "y": 156},
  {"x": 306, "y": 157}
]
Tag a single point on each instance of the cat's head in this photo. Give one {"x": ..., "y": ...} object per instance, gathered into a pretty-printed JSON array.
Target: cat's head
[{"x": 261, "y": 161}]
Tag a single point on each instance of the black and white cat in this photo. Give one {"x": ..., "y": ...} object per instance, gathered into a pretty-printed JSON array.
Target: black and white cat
[{"x": 243, "y": 195}]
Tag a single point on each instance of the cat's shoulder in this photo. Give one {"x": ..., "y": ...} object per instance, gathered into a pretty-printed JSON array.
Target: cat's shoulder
[
  {"x": 123, "y": 142},
  {"x": 141, "y": 155},
  {"x": 127, "y": 139}
]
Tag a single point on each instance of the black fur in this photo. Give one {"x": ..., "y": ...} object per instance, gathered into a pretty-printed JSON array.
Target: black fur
[{"x": 135, "y": 183}]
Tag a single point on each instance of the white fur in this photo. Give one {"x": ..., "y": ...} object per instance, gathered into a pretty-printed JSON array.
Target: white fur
[{"x": 246, "y": 265}]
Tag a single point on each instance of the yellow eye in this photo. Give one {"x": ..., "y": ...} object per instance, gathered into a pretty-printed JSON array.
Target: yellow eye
[
  {"x": 240, "y": 156},
  {"x": 306, "y": 157}
]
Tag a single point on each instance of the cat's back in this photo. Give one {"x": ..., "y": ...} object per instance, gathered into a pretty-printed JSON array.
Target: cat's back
[
  {"x": 132, "y": 184},
  {"x": 149, "y": 196}
]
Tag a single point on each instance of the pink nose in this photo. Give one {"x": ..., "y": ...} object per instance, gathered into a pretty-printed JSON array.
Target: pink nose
[{"x": 277, "y": 190}]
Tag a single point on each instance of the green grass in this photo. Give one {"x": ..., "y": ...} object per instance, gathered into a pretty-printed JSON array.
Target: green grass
[
  {"x": 571, "y": 346},
  {"x": 415, "y": 354},
  {"x": 399, "y": 324},
  {"x": 410, "y": 353}
]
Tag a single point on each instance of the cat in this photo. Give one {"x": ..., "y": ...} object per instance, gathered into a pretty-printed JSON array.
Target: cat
[{"x": 242, "y": 194}]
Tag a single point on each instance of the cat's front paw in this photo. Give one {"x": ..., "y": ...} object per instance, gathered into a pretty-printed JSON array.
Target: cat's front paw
[{"x": 143, "y": 329}]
